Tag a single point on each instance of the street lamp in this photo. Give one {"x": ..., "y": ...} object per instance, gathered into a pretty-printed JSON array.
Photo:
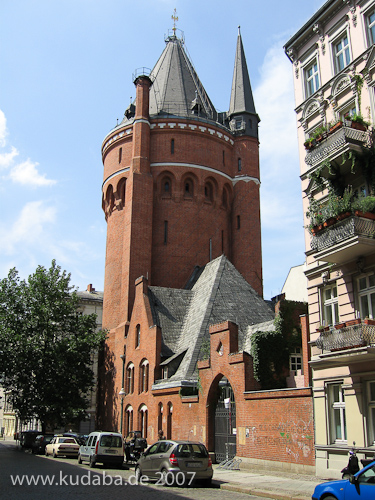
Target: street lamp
[{"x": 122, "y": 394}]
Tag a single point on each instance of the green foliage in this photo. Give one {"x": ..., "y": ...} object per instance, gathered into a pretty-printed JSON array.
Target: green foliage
[
  {"x": 46, "y": 346},
  {"x": 204, "y": 352}
]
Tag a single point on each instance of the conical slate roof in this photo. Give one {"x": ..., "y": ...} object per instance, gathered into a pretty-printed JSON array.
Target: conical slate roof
[
  {"x": 176, "y": 88},
  {"x": 241, "y": 99}
]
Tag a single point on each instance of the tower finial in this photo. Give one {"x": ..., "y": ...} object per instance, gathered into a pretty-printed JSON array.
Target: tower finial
[
  {"x": 175, "y": 18},
  {"x": 239, "y": 30}
]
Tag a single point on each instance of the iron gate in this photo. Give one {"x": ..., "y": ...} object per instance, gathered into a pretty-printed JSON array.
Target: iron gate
[{"x": 225, "y": 423}]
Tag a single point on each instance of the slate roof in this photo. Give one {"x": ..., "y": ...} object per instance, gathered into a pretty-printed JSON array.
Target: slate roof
[{"x": 220, "y": 293}]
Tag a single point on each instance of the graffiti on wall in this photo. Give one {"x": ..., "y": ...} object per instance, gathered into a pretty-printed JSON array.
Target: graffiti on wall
[{"x": 294, "y": 437}]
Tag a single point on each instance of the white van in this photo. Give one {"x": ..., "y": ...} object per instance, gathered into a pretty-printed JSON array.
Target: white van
[{"x": 103, "y": 447}]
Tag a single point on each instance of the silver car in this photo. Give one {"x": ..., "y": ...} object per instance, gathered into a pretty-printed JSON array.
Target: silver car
[{"x": 175, "y": 463}]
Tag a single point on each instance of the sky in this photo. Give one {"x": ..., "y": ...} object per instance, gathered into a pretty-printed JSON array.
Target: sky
[{"x": 66, "y": 77}]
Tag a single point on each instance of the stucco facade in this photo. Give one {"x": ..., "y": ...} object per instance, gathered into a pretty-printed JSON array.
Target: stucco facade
[{"x": 333, "y": 57}]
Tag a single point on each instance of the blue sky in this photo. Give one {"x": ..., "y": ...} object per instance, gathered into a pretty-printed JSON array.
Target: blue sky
[{"x": 66, "y": 76}]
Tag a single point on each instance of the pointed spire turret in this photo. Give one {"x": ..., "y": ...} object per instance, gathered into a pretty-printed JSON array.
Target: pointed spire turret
[{"x": 242, "y": 114}]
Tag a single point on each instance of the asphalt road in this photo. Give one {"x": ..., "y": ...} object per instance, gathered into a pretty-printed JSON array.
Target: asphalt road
[{"x": 65, "y": 479}]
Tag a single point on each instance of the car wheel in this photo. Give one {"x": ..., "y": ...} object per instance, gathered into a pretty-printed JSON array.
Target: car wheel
[
  {"x": 166, "y": 478},
  {"x": 92, "y": 462},
  {"x": 138, "y": 475},
  {"x": 54, "y": 454},
  {"x": 79, "y": 459}
]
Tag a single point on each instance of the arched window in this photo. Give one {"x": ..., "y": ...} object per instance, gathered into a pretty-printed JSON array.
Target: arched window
[
  {"x": 109, "y": 198},
  {"x": 121, "y": 191},
  {"x": 143, "y": 376},
  {"x": 128, "y": 419},
  {"x": 143, "y": 420},
  {"x": 188, "y": 188},
  {"x": 208, "y": 192},
  {"x": 130, "y": 378},
  {"x": 137, "y": 335},
  {"x": 169, "y": 420}
]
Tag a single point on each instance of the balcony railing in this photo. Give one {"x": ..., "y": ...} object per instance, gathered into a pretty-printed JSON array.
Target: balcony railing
[
  {"x": 347, "y": 337},
  {"x": 335, "y": 144},
  {"x": 341, "y": 231}
]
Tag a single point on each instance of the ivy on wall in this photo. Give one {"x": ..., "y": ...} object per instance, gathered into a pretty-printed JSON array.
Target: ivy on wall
[{"x": 271, "y": 350}]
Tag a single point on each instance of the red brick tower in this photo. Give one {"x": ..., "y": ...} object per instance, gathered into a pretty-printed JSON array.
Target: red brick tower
[{"x": 181, "y": 184}]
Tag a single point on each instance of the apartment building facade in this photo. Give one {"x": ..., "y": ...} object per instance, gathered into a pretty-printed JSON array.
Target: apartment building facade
[{"x": 333, "y": 58}]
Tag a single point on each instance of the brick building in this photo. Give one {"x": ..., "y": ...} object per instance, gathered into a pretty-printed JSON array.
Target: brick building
[
  {"x": 183, "y": 274},
  {"x": 333, "y": 58}
]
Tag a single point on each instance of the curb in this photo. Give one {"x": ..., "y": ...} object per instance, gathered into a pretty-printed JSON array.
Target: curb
[{"x": 262, "y": 493}]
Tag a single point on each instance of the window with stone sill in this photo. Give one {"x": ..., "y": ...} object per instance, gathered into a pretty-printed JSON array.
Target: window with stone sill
[
  {"x": 330, "y": 306},
  {"x": 295, "y": 360},
  {"x": 370, "y": 21},
  {"x": 143, "y": 376},
  {"x": 312, "y": 80},
  {"x": 130, "y": 379},
  {"x": 341, "y": 52},
  {"x": 371, "y": 411},
  {"x": 336, "y": 413},
  {"x": 366, "y": 295}
]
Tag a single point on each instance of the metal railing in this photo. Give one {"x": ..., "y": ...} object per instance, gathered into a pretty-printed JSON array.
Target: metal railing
[
  {"x": 347, "y": 337},
  {"x": 343, "y": 230},
  {"x": 336, "y": 143}
]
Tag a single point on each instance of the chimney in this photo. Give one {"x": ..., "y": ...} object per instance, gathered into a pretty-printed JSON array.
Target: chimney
[{"x": 90, "y": 288}]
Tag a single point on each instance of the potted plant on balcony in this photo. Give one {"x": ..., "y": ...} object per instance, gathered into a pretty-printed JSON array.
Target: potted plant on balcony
[
  {"x": 369, "y": 321},
  {"x": 320, "y": 133},
  {"x": 352, "y": 322},
  {"x": 365, "y": 207},
  {"x": 335, "y": 125},
  {"x": 357, "y": 122},
  {"x": 310, "y": 143}
]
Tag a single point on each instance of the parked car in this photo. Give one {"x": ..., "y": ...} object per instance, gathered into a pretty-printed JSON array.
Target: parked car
[
  {"x": 102, "y": 447},
  {"x": 40, "y": 443},
  {"x": 175, "y": 462},
  {"x": 361, "y": 486},
  {"x": 62, "y": 446},
  {"x": 134, "y": 446},
  {"x": 80, "y": 438},
  {"x": 27, "y": 438}
]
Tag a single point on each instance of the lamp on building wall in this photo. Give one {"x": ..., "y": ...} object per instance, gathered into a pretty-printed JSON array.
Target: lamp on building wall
[{"x": 122, "y": 394}]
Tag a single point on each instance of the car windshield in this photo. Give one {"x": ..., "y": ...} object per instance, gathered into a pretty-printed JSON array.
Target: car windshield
[
  {"x": 191, "y": 449},
  {"x": 368, "y": 476},
  {"x": 111, "y": 441},
  {"x": 67, "y": 440}
]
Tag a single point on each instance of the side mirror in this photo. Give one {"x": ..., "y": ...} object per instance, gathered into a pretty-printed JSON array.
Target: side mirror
[{"x": 352, "y": 479}]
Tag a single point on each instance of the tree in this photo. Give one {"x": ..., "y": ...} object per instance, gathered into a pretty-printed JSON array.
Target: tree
[{"x": 46, "y": 347}]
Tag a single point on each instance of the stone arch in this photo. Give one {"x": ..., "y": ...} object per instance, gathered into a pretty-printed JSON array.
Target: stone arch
[
  {"x": 120, "y": 191},
  {"x": 166, "y": 184},
  {"x": 210, "y": 190},
  {"x": 189, "y": 183},
  {"x": 109, "y": 199},
  {"x": 312, "y": 106},
  {"x": 220, "y": 421}
]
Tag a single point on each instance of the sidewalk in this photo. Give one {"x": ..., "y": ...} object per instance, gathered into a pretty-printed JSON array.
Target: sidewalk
[{"x": 273, "y": 484}]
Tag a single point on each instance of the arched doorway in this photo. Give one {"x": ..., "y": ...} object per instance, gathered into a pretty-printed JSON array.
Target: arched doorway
[{"x": 225, "y": 422}]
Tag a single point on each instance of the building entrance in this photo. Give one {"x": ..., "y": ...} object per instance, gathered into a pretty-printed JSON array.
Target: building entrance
[{"x": 225, "y": 422}]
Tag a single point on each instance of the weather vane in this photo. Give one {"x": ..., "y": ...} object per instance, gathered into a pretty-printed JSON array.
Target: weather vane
[{"x": 175, "y": 18}]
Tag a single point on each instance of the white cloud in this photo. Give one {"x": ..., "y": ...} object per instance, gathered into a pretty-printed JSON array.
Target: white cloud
[
  {"x": 6, "y": 159},
  {"x": 28, "y": 229},
  {"x": 26, "y": 173}
]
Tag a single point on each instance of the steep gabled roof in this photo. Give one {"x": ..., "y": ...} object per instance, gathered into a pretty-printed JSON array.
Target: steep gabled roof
[{"x": 219, "y": 294}]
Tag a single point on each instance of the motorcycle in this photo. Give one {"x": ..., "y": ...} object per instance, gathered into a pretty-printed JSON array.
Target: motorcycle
[
  {"x": 134, "y": 446},
  {"x": 352, "y": 467}
]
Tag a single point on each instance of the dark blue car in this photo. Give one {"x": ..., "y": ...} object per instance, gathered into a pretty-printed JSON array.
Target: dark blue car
[{"x": 361, "y": 486}]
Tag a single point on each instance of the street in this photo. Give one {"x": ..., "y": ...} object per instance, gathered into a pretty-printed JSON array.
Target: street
[{"x": 25, "y": 476}]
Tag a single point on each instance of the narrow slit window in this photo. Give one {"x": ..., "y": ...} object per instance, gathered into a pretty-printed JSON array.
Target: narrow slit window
[
  {"x": 120, "y": 155},
  {"x": 172, "y": 146},
  {"x": 239, "y": 165}
]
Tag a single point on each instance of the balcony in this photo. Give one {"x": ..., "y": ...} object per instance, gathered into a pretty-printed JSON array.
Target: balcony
[
  {"x": 335, "y": 144},
  {"x": 347, "y": 337},
  {"x": 345, "y": 240}
]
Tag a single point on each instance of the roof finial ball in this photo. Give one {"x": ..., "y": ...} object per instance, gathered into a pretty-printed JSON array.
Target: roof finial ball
[{"x": 239, "y": 30}]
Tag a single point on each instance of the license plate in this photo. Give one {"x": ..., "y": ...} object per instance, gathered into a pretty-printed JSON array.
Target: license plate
[
  {"x": 193, "y": 465},
  {"x": 113, "y": 452}
]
